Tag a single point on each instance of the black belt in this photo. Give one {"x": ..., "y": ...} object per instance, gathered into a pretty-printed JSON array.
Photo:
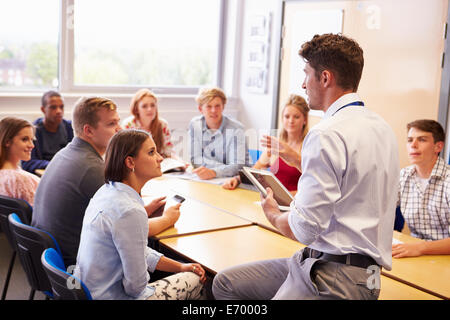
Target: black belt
[{"x": 354, "y": 259}]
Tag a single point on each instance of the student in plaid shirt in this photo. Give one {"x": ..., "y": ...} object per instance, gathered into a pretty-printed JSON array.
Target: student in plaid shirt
[{"x": 424, "y": 194}]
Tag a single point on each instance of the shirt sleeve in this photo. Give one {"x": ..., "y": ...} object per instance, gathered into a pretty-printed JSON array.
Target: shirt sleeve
[
  {"x": 20, "y": 185},
  {"x": 323, "y": 164},
  {"x": 152, "y": 257},
  {"x": 130, "y": 239}
]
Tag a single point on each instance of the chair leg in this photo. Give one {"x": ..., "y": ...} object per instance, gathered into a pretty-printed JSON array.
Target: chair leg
[
  {"x": 31, "y": 297},
  {"x": 8, "y": 276}
]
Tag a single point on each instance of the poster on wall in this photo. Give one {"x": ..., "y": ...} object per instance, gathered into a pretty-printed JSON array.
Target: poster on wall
[{"x": 258, "y": 53}]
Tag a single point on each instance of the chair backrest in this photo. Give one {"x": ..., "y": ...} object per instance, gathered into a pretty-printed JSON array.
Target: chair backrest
[
  {"x": 31, "y": 242},
  {"x": 65, "y": 286},
  {"x": 11, "y": 205},
  {"x": 254, "y": 155},
  {"x": 399, "y": 222}
]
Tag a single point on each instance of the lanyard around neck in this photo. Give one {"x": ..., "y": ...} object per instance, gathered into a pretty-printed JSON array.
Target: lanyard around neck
[{"x": 356, "y": 103}]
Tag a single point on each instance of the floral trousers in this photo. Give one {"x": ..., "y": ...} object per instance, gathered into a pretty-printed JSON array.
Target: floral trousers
[{"x": 179, "y": 286}]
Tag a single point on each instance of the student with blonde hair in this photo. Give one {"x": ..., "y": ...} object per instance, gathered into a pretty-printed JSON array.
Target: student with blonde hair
[
  {"x": 218, "y": 147},
  {"x": 16, "y": 144},
  {"x": 295, "y": 128},
  {"x": 145, "y": 116}
]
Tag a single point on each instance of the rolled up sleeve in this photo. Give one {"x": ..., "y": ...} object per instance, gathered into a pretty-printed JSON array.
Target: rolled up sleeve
[{"x": 152, "y": 258}]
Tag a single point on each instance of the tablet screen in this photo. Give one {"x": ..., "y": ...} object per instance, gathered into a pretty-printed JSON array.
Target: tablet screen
[{"x": 279, "y": 193}]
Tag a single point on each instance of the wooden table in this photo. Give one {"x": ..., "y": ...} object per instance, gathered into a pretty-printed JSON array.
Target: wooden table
[
  {"x": 237, "y": 246},
  {"x": 197, "y": 217},
  {"x": 240, "y": 202},
  {"x": 428, "y": 273},
  {"x": 247, "y": 244}
]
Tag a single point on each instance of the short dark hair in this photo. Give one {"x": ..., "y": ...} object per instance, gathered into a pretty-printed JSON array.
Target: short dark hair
[
  {"x": 429, "y": 126},
  {"x": 124, "y": 143},
  {"x": 337, "y": 53},
  {"x": 48, "y": 95}
]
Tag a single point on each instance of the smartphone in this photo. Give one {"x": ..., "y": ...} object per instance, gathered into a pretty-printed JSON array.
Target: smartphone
[
  {"x": 171, "y": 202},
  {"x": 178, "y": 199}
]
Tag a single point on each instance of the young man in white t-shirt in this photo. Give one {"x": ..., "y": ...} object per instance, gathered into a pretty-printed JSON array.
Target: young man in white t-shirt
[{"x": 424, "y": 193}]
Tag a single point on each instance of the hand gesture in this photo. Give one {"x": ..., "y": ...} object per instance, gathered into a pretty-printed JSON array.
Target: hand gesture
[{"x": 281, "y": 149}]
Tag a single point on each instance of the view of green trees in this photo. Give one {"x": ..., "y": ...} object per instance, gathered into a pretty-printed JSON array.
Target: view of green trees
[
  {"x": 144, "y": 67},
  {"x": 39, "y": 64},
  {"x": 33, "y": 65}
]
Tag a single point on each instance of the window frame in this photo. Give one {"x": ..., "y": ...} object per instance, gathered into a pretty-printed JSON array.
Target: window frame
[{"x": 66, "y": 55}]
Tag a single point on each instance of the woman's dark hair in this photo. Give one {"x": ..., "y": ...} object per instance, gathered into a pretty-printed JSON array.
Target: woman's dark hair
[
  {"x": 9, "y": 128},
  {"x": 123, "y": 144}
]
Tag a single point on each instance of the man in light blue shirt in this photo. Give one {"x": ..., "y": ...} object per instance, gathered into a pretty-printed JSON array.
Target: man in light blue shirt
[
  {"x": 100, "y": 262},
  {"x": 345, "y": 210},
  {"x": 218, "y": 146}
]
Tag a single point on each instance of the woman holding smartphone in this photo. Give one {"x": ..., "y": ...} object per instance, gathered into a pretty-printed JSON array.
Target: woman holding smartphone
[{"x": 113, "y": 257}]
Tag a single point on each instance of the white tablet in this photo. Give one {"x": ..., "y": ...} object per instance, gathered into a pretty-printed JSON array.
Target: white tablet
[{"x": 263, "y": 179}]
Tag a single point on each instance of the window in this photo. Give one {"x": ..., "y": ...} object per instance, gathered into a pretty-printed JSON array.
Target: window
[
  {"x": 117, "y": 46},
  {"x": 146, "y": 43},
  {"x": 29, "y": 33}
]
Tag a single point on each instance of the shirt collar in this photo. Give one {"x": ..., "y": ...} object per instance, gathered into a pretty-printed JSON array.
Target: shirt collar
[
  {"x": 126, "y": 189},
  {"x": 438, "y": 171},
  {"x": 439, "y": 168},
  {"x": 222, "y": 125},
  {"x": 342, "y": 101}
]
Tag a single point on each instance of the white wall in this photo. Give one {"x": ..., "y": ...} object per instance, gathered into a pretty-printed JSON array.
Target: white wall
[
  {"x": 256, "y": 109},
  {"x": 177, "y": 110}
]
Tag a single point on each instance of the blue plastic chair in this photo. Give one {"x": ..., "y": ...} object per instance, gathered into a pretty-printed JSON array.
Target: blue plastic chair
[
  {"x": 254, "y": 155},
  {"x": 31, "y": 242},
  {"x": 65, "y": 286}
]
